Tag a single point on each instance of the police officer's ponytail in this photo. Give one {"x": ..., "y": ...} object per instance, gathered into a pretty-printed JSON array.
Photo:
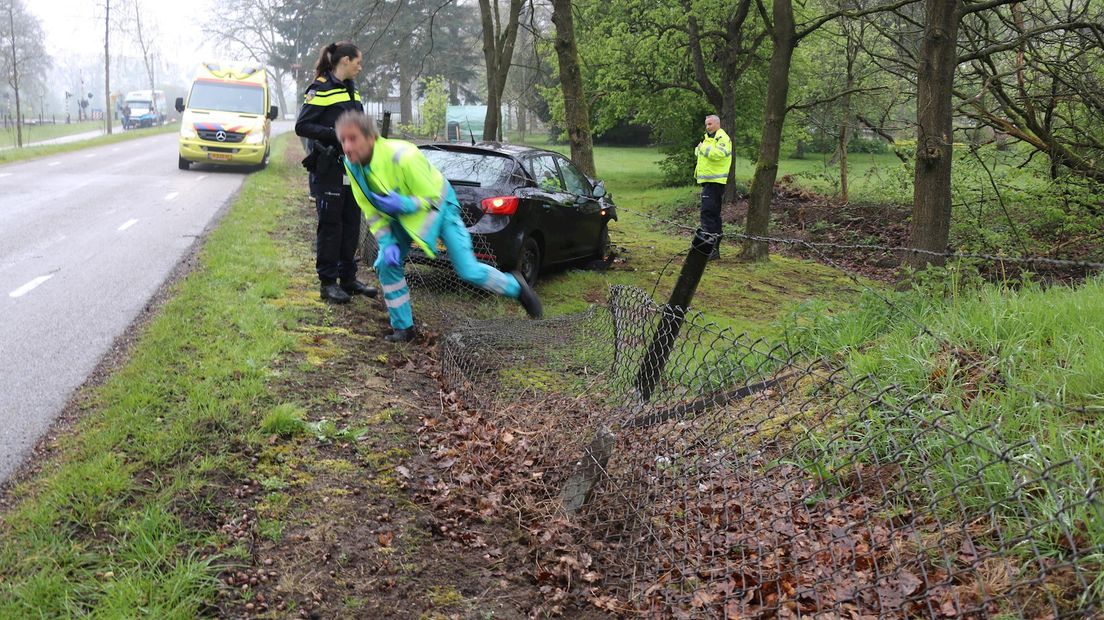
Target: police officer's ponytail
[{"x": 332, "y": 54}]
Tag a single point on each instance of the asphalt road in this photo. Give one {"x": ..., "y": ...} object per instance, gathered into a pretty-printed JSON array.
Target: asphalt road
[{"x": 86, "y": 240}]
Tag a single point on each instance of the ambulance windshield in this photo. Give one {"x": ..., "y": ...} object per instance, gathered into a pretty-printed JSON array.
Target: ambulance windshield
[{"x": 224, "y": 97}]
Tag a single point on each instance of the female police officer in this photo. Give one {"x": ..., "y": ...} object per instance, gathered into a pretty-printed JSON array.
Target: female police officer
[
  {"x": 408, "y": 201},
  {"x": 330, "y": 94}
]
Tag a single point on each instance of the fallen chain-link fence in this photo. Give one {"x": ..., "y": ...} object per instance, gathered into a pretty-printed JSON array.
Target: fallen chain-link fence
[{"x": 662, "y": 466}]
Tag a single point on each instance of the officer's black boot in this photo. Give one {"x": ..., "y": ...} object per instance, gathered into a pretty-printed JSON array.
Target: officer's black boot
[
  {"x": 332, "y": 292},
  {"x": 402, "y": 335},
  {"x": 356, "y": 287},
  {"x": 528, "y": 297}
]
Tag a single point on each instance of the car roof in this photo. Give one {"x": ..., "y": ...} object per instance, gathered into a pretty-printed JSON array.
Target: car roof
[{"x": 513, "y": 150}]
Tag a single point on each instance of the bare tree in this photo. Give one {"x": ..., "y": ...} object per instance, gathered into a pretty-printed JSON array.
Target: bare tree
[
  {"x": 107, "y": 65},
  {"x": 21, "y": 38},
  {"x": 144, "y": 36},
  {"x": 499, "y": 37},
  {"x": 987, "y": 28}
]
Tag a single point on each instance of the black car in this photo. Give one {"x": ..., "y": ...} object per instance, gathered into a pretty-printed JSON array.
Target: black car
[{"x": 525, "y": 208}]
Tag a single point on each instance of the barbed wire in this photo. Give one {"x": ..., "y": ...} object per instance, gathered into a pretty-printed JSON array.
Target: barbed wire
[
  {"x": 818, "y": 247},
  {"x": 866, "y": 247}
]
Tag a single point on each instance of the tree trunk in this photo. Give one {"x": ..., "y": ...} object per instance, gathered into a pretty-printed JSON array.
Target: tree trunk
[
  {"x": 766, "y": 168},
  {"x": 576, "y": 109},
  {"x": 845, "y": 139},
  {"x": 931, "y": 211},
  {"x": 728, "y": 123},
  {"x": 280, "y": 95},
  {"x": 498, "y": 51},
  {"x": 107, "y": 65},
  {"x": 522, "y": 121},
  {"x": 15, "y": 78},
  {"x": 406, "y": 97}
]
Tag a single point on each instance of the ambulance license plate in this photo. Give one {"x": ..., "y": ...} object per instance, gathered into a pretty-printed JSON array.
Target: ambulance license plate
[{"x": 219, "y": 156}]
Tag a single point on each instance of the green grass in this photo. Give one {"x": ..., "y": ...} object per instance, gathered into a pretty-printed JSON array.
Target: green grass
[
  {"x": 36, "y": 133},
  {"x": 1028, "y": 363},
  {"x": 111, "y": 525},
  {"x": 744, "y": 297},
  {"x": 31, "y": 152}
]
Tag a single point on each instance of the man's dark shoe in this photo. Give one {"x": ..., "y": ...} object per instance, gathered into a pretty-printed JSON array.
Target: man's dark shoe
[
  {"x": 528, "y": 297},
  {"x": 401, "y": 335},
  {"x": 333, "y": 293},
  {"x": 356, "y": 287}
]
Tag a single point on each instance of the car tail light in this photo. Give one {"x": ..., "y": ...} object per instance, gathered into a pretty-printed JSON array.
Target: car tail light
[{"x": 500, "y": 205}]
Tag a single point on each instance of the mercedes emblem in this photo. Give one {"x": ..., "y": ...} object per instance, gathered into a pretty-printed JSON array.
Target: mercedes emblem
[{"x": 220, "y": 136}]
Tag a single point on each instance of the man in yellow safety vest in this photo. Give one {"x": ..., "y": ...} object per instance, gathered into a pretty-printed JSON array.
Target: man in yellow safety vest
[
  {"x": 714, "y": 155},
  {"x": 406, "y": 200}
]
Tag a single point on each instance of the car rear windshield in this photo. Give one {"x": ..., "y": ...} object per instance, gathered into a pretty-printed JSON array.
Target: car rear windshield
[
  {"x": 482, "y": 169},
  {"x": 242, "y": 98}
]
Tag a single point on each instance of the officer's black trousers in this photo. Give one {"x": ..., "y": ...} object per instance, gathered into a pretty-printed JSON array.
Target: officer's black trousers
[
  {"x": 712, "y": 194},
  {"x": 338, "y": 234}
]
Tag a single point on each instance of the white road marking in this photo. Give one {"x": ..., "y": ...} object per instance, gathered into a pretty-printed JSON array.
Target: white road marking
[
  {"x": 54, "y": 163},
  {"x": 90, "y": 156},
  {"x": 127, "y": 225},
  {"x": 172, "y": 196},
  {"x": 5, "y": 174},
  {"x": 201, "y": 177},
  {"x": 30, "y": 286},
  {"x": 115, "y": 150}
]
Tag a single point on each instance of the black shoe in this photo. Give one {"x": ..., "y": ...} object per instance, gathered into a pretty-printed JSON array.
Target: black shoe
[
  {"x": 401, "y": 335},
  {"x": 332, "y": 292},
  {"x": 528, "y": 297},
  {"x": 356, "y": 287}
]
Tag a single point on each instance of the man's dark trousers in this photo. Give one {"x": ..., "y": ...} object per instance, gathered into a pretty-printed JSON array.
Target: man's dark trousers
[{"x": 712, "y": 194}]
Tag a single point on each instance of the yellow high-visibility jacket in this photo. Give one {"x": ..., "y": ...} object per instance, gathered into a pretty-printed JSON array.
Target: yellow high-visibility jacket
[{"x": 714, "y": 158}]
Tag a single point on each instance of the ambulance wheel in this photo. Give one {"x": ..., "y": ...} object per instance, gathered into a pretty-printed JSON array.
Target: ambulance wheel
[{"x": 183, "y": 164}]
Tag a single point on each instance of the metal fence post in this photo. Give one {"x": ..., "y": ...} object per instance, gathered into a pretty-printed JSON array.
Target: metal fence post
[
  {"x": 674, "y": 313},
  {"x": 590, "y": 470},
  {"x": 385, "y": 128}
]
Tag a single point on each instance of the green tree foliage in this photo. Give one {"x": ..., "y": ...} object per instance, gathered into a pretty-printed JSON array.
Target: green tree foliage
[
  {"x": 638, "y": 60},
  {"x": 434, "y": 106}
]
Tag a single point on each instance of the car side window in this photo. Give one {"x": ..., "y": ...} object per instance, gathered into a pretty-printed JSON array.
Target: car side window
[
  {"x": 575, "y": 181},
  {"x": 543, "y": 169}
]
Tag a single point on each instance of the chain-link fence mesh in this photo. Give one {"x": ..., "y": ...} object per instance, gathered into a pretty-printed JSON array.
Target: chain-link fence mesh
[{"x": 666, "y": 467}]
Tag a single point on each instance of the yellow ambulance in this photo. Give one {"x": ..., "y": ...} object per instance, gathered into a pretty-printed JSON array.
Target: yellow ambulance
[{"x": 227, "y": 119}]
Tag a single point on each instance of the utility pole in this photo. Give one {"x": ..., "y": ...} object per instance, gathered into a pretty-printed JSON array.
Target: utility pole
[{"x": 107, "y": 66}]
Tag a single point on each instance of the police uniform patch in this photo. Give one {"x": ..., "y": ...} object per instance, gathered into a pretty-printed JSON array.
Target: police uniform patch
[{"x": 310, "y": 95}]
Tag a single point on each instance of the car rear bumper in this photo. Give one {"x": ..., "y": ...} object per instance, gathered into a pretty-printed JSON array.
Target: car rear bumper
[{"x": 494, "y": 242}]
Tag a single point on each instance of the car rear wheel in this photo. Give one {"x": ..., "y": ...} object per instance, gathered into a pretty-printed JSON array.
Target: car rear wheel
[
  {"x": 529, "y": 262},
  {"x": 183, "y": 164}
]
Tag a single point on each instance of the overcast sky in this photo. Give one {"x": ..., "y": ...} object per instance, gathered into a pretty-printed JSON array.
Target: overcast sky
[{"x": 75, "y": 27}]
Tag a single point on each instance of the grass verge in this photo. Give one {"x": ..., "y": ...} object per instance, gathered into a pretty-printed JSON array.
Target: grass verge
[
  {"x": 108, "y": 524},
  {"x": 37, "y": 133},
  {"x": 13, "y": 155}
]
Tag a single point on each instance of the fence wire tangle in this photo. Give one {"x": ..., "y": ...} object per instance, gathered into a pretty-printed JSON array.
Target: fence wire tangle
[{"x": 750, "y": 480}]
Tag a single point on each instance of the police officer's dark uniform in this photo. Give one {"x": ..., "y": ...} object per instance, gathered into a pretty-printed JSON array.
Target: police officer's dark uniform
[{"x": 338, "y": 214}]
